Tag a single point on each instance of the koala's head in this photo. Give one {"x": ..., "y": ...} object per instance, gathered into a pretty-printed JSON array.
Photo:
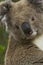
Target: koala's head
[{"x": 23, "y": 18}]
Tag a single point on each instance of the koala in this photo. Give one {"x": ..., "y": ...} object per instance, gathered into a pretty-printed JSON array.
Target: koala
[{"x": 24, "y": 23}]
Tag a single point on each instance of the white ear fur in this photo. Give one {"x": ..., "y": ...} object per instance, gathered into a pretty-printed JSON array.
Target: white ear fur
[{"x": 39, "y": 42}]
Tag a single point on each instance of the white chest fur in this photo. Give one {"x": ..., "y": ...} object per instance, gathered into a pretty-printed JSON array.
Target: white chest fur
[{"x": 39, "y": 42}]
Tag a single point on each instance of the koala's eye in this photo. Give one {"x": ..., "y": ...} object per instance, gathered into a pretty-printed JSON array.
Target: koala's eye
[
  {"x": 33, "y": 18},
  {"x": 17, "y": 27}
]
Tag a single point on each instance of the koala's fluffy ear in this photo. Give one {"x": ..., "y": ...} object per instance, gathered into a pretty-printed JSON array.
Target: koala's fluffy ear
[
  {"x": 5, "y": 7},
  {"x": 37, "y": 3},
  {"x": 8, "y": 3}
]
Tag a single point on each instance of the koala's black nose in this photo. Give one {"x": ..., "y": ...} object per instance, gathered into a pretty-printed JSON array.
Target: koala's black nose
[{"x": 26, "y": 28}]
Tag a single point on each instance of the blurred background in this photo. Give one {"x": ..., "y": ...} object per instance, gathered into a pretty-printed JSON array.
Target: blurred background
[{"x": 3, "y": 41}]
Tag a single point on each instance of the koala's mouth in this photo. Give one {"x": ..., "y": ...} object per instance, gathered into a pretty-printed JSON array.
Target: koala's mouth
[{"x": 32, "y": 35}]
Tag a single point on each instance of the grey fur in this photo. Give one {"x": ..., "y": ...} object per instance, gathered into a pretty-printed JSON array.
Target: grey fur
[{"x": 21, "y": 50}]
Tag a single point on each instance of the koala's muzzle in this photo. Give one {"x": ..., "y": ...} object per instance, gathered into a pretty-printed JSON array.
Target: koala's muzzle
[{"x": 26, "y": 28}]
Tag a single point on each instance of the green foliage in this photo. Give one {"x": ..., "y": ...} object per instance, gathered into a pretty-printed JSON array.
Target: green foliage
[
  {"x": 2, "y": 51},
  {"x": 2, "y": 48},
  {"x": 3, "y": 44},
  {"x": 1, "y": 0}
]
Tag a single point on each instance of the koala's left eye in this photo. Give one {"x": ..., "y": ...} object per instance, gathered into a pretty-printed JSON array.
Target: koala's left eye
[
  {"x": 33, "y": 18},
  {"x": 17, "y": 27}
]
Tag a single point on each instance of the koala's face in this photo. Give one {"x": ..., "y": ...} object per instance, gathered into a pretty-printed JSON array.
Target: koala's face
[{"x": 24, "y": 21}]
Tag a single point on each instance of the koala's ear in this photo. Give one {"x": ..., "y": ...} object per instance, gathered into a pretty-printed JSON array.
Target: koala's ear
[
  {"x": 8, "y": 3},
  {"x": 5, "y": 7},
  {"x": 38, "y": 4}
]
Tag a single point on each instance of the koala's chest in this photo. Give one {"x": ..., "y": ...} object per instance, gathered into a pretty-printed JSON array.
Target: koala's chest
[
  {"x": 39, "y": 42},
  {"x": 27, "y": 54}
]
